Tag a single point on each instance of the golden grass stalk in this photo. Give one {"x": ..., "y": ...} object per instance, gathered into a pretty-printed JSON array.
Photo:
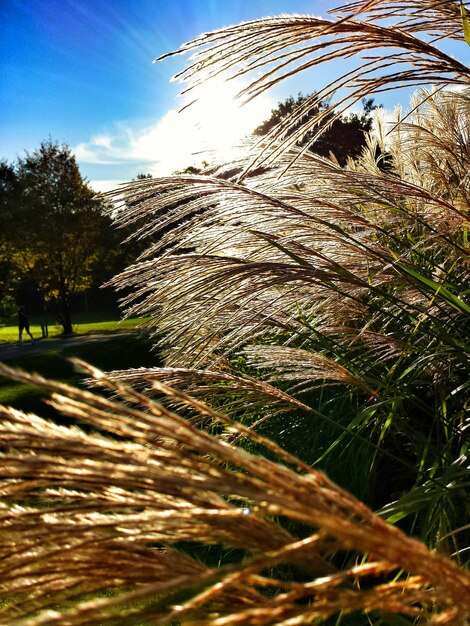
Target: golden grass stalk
[
  {"x": 314, "y": 275},
  {"x": 100, "y": 522}
]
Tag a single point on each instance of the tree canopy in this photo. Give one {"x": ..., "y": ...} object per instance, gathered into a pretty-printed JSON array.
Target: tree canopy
[
  {"x": 343, "y": 136},
  {"x": 52, "y": 226}
]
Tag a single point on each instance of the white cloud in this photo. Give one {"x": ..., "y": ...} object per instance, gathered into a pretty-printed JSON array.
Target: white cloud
[
  {"x": 104, "y": 185},
  {"x": 213, "y": 124}
]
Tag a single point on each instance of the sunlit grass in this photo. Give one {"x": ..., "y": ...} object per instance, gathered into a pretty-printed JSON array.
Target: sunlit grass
[
  {"x": 303, "y": 298},
  {"x": 9, "y": 334},
  {"x": 111, "y": 498}
]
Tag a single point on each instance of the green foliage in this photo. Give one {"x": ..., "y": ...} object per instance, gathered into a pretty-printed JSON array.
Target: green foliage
[
  {"x": 465, "y": 22},
  {"x": 9, "y": 270}
]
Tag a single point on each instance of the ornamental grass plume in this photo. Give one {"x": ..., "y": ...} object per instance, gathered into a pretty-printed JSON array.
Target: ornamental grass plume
[
  {"x": 328, "y": 306},
  {"x": 325, "y": 307},
  {"x": 104, "y": 523}
]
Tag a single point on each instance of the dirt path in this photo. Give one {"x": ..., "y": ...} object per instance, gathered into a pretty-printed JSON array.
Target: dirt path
[{"x": 12, "y": 351}]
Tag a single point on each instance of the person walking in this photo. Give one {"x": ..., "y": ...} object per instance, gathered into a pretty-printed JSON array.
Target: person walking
[{"x": 23, "y": 324}]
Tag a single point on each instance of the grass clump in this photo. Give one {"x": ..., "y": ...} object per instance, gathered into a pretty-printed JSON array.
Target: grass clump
[
  {"x": 293, "y": 300},
  {"x": 120, "y": 501},
  {"x": 349, "y": 307}
]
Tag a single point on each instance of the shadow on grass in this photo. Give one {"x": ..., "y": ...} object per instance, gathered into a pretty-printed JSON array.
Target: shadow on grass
[{"x": 117, "y": 352}]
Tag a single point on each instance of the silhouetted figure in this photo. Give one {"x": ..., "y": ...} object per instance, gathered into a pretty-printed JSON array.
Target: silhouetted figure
[{"x": 23, "y": 324}]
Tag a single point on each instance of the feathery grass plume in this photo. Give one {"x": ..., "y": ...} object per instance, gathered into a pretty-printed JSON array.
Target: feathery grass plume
[
  {"x": 350, "y": 285},
  {"x": 426, "y": 16},
  {"x": 401, "y": 53},
  {"x": 244, "y": 395},
  {"x": 103, "y": 526}
]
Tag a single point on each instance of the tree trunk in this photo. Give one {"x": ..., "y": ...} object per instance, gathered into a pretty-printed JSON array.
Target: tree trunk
[
  {"x": 44, "y": 323},
  {"x": 66, "y": 320}
]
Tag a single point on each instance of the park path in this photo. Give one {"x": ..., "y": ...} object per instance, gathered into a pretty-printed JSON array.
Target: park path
[{"x": 11, "y": 351}]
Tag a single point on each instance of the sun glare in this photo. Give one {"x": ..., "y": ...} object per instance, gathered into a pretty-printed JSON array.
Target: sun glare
[
  {"x": 209, "y": 127},
  {"x": 220, "y": 119}
]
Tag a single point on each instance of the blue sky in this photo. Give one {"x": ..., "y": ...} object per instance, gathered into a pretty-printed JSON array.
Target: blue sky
[{"x": 81, "y": 72}]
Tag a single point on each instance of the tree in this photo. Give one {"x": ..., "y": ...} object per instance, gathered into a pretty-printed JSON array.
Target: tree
[
  {"x": 55, "y": 225},
  {"x": 9, "y": 270},
  {"x": 344, "y": 136}
]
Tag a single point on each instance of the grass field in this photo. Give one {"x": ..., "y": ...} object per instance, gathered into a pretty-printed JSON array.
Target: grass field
[
  {"x": 121, "y": 352},
  {"x": 84, "y": 324}
]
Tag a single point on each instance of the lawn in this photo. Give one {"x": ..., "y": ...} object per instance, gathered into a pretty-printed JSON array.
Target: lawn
[
  {"x": 84, "y": 324},
  {"x": 118, "y": 352}
]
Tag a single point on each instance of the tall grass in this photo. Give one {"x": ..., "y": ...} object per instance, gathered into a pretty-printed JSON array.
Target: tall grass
[
  {"x": 343, "y": 289},
  {"x": 95, "y": 525},
  {"x": 289, "y": 296}
]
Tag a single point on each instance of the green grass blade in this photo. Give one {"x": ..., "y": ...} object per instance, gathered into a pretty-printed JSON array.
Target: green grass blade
[
  {"x": 465, "y": 22},
  {"x": 438, "y": 288}
]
